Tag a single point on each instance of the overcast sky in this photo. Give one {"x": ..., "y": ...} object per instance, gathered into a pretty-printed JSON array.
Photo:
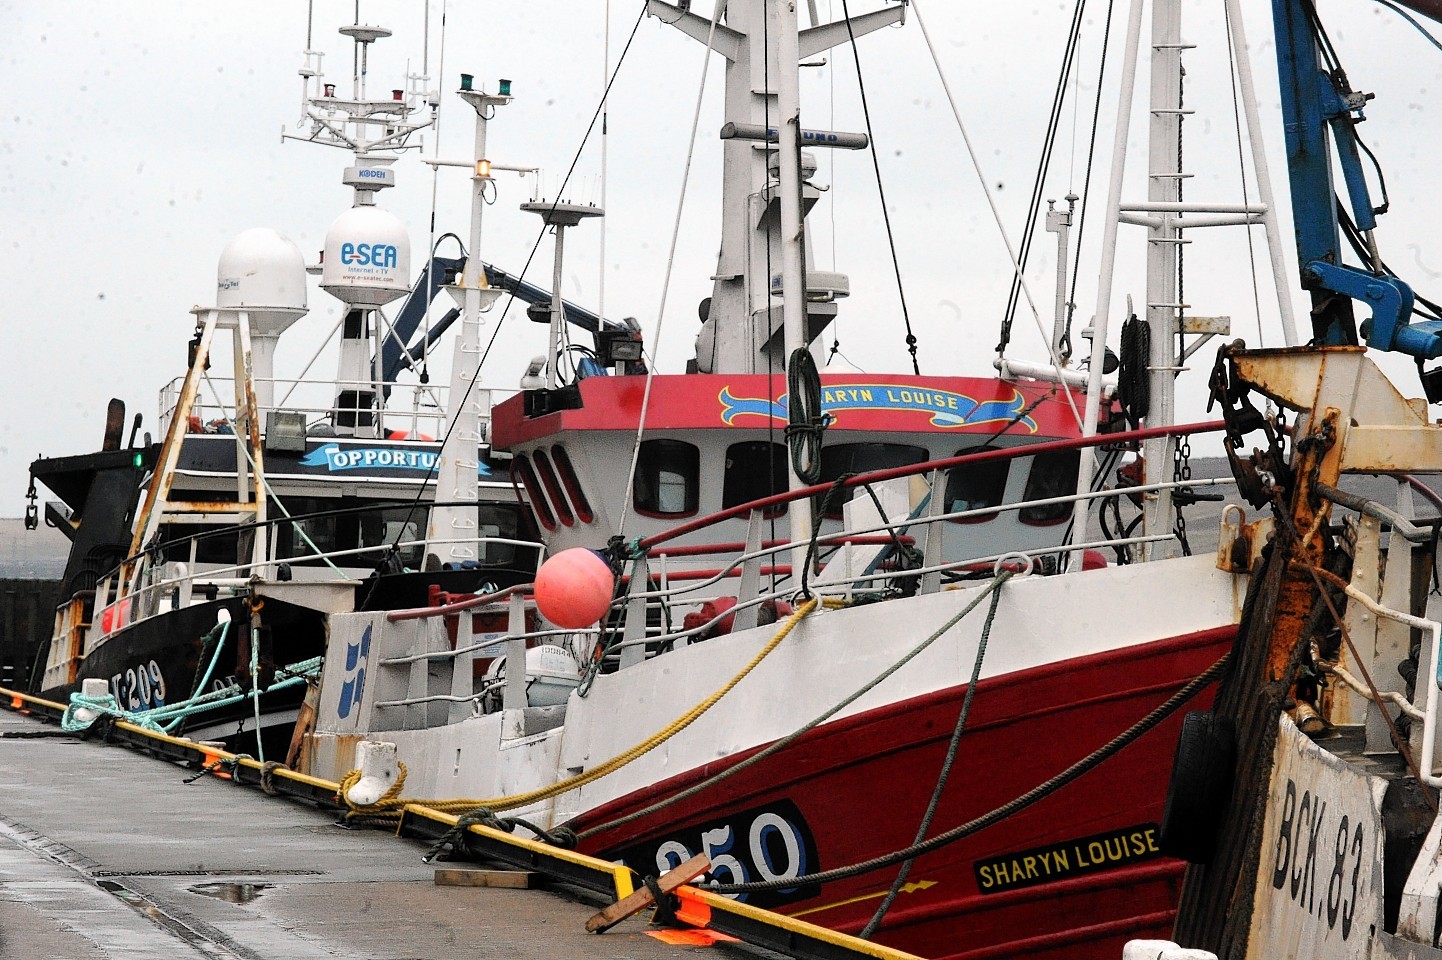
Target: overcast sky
[{"x": 139, "y": 138}]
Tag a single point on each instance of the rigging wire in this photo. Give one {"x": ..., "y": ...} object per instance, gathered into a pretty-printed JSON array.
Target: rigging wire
[
  {"x": 605, "y": 158},
  {"x": 622, "y": 510},
  {"x": 1408, "y": 17},
  {"x": 881, "y": 191},
  {"x": 1091, "y": 162},
  {"x": 505, "y": 311},
  {"x": 435, "y": 179},
  {"x": 991, "y": 202},
  {"x": 1242, "y": 170},
  {"x": 1058, "y": 104}
]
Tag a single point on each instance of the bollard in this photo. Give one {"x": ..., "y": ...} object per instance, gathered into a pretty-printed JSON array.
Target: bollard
[
  {"x": 91, "y": 690},
  {"x": 376, "y": 761}
]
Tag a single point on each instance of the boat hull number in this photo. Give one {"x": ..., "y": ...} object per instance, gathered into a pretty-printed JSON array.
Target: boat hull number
[
  {"x": 767, "y": 843},
  {"x": 1319, "y": 880},
  {"x": 141, "y": 687}
]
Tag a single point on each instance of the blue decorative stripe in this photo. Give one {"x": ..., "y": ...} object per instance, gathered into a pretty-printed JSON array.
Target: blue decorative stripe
[{"x": 947, "y": 409}]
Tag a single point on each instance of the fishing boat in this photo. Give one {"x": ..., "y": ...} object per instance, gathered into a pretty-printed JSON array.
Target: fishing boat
[
  {"x": 204, "y": 564},
  {"x": 845, "y": 634}
]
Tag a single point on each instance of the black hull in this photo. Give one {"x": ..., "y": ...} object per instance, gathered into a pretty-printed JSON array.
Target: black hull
[{"x": 158, "y": 661}]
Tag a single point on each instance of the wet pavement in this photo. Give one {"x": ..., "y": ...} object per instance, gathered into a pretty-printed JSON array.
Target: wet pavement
[{"x": 107, "y": 854}]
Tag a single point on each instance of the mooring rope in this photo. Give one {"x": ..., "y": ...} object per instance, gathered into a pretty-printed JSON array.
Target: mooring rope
[
  {"x": 1038, "y": 792},
  {"x": 388, "y": 809},
  {"x": 806, "y": 728}
]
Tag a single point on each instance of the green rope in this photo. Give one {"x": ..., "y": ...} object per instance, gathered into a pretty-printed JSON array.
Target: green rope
[{"x": 155, "y": 718}]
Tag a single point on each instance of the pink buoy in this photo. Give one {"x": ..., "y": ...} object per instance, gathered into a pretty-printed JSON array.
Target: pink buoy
[{"x": 573, "y": 588}]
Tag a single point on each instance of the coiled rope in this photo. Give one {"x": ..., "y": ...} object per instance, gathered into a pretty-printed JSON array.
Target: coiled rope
[
  {"x": 805, "y": 423},
  {"x": 387, "y": 809},
  {"x": 1039, "y": 792}
]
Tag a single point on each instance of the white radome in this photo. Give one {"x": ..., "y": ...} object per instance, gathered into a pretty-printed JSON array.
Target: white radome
[
  {"x": 262, "y": 273},
  {"x": 367, "y": 257}
]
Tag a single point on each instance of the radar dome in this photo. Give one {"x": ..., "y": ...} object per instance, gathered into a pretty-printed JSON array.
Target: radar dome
[
  {"x": 367, "y": 257},
  {"x": 263, "y": 273}
]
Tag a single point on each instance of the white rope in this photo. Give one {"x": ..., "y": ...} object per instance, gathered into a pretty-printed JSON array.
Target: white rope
[
  {"x": 1340, "y": 672},
  {"x": 624, "y": 508},
  {"x": 995, "y": 213}
]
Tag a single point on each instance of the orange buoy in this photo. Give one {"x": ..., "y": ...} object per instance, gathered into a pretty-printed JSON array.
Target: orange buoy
[{"x": 573, "y": 588}]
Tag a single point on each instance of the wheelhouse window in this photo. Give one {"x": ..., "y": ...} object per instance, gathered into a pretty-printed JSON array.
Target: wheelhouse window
[
  {"x": 522, "y": 473},
  {"x": 861, "y": 458},
  {"x": 553, "y": 488},
  {"x": 754, "y": 469},
  {"x": 404, "y": 526},
  {"x": 572, "y": 483},
  {"x": 1052, "y": 475},
  {"x": 976, "y": 486},
  {"x": 326, "y": 526},
  {"x": 668, "y": 479}
]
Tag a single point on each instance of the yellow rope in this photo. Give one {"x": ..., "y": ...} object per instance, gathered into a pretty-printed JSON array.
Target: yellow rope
[{"x": 392, "y": 803}]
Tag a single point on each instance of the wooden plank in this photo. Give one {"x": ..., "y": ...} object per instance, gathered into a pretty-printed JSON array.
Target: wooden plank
[
  {"x": 642, "y": 898},
  {"x": 507, "y": 879}
]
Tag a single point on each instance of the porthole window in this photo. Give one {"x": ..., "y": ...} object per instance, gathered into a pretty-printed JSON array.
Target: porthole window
[
  {"x": 975, "y": 486},
  {"x": 1052, "y": 475},
  {"x": 861, "y": 458},
  {"x": 668, "y": 479},
  {"x": 754, "y": 469}
]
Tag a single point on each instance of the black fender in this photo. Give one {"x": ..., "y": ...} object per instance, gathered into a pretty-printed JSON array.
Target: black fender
[{"x": 1200, "y": 788}]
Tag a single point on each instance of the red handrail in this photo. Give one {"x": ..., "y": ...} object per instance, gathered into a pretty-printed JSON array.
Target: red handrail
[
  {"x": 891, "y": 473},
  {"x": 445, "y": 608}
]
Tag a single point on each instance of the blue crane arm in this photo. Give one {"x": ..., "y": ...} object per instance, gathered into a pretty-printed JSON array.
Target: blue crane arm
[
  {"x": 398, "y": 349},
  {"x": 1320, "y": 110}
]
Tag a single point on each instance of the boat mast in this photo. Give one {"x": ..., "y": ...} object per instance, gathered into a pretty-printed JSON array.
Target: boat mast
[
  {"x": 742, "y": 331},
  {"x": 788, "y": 108},
  {"x": 452, "y": 529},
  {"x": 1166, "y": 215},
  {"x": 1164, "y": 239}
]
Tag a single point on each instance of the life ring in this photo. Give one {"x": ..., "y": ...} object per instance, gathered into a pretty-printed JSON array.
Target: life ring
[{"x": 1200, "y": 787}]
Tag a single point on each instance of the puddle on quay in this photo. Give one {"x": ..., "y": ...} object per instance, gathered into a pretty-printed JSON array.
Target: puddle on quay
[{"x": 231, "y": 892}]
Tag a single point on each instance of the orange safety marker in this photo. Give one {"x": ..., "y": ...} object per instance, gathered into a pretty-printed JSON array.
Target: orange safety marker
[
  {"x": 691, "y": 938},
  {"x": 210, "y": 760}
]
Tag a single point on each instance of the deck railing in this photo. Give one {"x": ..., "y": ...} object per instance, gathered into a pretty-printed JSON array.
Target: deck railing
[{"x": 857, "y": 565}]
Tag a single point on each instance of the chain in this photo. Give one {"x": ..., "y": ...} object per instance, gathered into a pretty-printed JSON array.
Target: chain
[{"x": 1181, "y": 473}]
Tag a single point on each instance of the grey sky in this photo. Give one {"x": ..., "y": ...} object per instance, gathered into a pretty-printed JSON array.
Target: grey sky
[{"x": 140, "y": 138}]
